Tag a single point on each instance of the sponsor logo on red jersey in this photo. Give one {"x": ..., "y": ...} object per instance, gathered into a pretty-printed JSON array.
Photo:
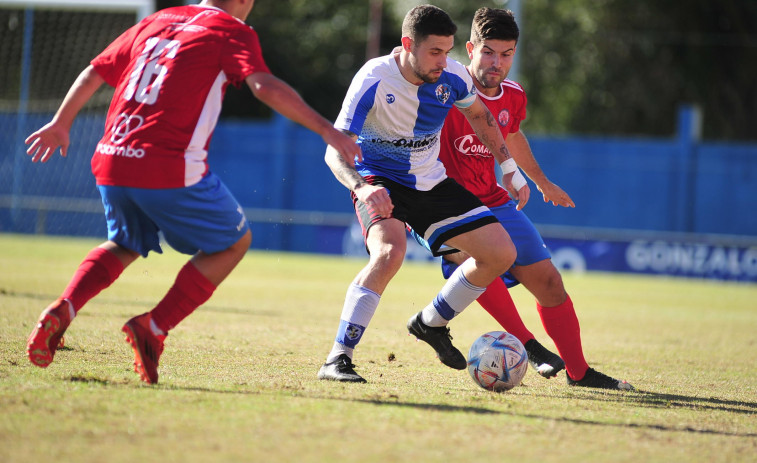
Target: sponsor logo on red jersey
[
  {"x": 124, "y": 125},
  {"x": 469, "y": 145}
]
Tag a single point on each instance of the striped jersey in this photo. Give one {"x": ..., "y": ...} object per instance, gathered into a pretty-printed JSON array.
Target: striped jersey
[
  {"x": 170, "y": 72},
  {"x": 398, "y": 123},
  {"x": 467, "y": 159}
]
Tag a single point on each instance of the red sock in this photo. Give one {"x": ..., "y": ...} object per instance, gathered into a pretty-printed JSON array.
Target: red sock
[
  {"x": 98, "y": 271},
  {"x": 561, "y": 324},
  {"x": 190, "y": 290},
  {"x": 497, "y": 301}
]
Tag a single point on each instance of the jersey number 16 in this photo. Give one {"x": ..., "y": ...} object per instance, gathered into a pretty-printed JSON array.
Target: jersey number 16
[{"x": 147, "y": 76}]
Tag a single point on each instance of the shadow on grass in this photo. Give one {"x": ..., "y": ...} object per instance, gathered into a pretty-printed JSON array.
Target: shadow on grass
[
  {"x": 641, "y": 397},
  {"x": 662, "y": 400}
]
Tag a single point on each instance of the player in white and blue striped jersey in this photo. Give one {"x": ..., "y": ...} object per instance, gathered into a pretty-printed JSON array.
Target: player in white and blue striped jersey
[
  {"x": 398, "y": 123},
  {"x": 395, "y": 109}
]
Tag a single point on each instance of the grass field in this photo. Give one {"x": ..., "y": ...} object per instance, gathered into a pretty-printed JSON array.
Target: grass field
[{"x": 238, "y": 377}]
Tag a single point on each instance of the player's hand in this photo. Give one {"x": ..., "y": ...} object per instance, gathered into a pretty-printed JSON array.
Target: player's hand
[
  {"x": 521, "y": 196},
  {"x": 45, "y": 141},
  {"x": 376, "y": 198},
  {"x": 345, "y": 145},
  {"x": 554, "y": 194}
]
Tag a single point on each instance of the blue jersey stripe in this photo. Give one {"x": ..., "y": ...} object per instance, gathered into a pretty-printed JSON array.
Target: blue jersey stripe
[{"x": 364, "y": 106}]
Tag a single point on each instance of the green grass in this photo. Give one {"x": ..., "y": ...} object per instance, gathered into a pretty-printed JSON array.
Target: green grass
[{"x": 238, "y": 376}]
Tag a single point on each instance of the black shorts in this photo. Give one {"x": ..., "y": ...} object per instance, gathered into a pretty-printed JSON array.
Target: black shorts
[{"x": 441, "y": 213}]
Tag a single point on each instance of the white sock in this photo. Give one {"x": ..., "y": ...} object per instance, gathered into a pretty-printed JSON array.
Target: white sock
[
  {"x": 457, "y": 294},
  {"x": 337, "y": 350},
  {"x": 359, "y": 306}
]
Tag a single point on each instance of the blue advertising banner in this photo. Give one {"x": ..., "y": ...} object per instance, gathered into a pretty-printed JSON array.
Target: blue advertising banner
[
  {"x": 718, "y": 257},
  {"x": 673, "y": 257}
]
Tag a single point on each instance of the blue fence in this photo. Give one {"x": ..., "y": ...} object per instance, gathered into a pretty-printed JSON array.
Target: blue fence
[{"x": 627, "y": 187}]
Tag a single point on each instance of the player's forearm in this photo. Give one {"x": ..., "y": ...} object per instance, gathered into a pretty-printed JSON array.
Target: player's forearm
[
  {"x": 487, "y": 130},
  {"x": 80, "y": 92},
  {"x": 345, "y": 173},
  {"x": 282, "y": 98},
  {"x": 524, "y": 157},
  {"x": 492, "y": 138}
]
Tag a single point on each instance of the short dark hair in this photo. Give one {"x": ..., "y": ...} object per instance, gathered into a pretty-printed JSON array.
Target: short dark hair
[
  {"x": 425, "y": 20},
  {"x": 493, "y": 23}
]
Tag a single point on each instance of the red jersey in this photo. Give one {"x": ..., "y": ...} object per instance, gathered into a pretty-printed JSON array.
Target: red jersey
[
  {"x": 170, "y": 72},
  {"x": 466, "y": 159}
]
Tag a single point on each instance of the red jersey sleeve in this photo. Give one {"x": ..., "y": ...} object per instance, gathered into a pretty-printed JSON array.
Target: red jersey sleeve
[
  {"x": 244, "y": 56},
  {"x": 113, "y": 61}
]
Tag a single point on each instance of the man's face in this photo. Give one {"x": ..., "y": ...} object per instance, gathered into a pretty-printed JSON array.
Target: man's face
[
  {"x": 429, "y": 57},
  {"x": 491, "y": 61}
]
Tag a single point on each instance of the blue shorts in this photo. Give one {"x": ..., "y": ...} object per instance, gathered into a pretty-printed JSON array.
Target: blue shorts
[
  {"x": 203, "y": 217},
  {"x": 528, "y": 242}
]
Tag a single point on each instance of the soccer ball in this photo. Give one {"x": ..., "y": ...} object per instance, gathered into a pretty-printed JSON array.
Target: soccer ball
[{"x": 497, "y": 361}]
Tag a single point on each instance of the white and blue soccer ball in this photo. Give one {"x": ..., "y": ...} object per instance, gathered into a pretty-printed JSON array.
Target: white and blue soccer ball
[{"x": 497, "y": 361}]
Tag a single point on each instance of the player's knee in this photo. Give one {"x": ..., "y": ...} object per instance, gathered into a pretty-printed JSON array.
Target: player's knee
[
  {"x": 500, "y": 252},
  {"x": 503, "y": 257},
  {"x": 388, "y": 254},
  {"x": 554, "y": 285},
  {"x": 496, "y": 262}
]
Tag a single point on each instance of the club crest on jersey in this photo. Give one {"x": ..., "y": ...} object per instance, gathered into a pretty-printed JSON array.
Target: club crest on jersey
[
  {"x": 503, "y": 118},
  {"x": 443, "y": 92},
  {"x": 390, "y": 98}
]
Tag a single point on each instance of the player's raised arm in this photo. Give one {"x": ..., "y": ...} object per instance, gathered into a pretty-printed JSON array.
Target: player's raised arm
[
  {"x": 55, "y": 134},
  {"x": 281, "y": 97}
]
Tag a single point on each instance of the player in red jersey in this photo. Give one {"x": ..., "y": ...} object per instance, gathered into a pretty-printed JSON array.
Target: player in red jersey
[
  {"x": 494, "y": 37},
  {"x": 170, "y": 72}
]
